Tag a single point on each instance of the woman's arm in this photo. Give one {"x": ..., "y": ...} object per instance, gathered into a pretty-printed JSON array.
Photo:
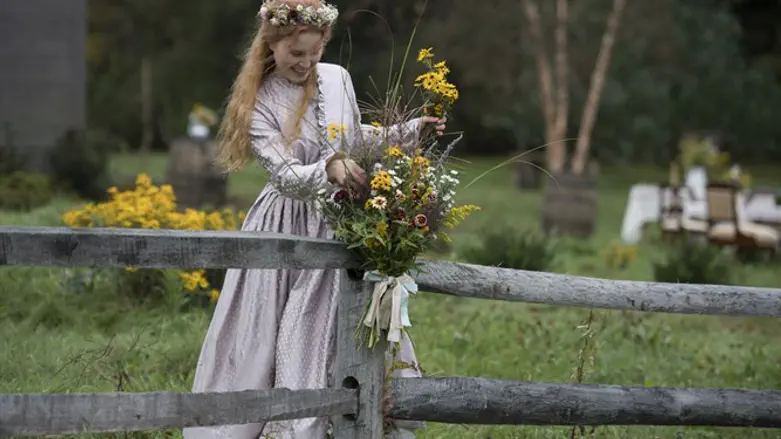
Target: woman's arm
[{"x": 286, "y": 172}]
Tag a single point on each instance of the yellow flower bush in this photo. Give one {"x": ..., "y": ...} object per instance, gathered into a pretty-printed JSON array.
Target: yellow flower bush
[{"x": 154, "y": 207}]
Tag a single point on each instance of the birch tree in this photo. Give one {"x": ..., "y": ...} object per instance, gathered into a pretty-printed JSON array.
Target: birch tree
[{"x": 554, "y": 84}]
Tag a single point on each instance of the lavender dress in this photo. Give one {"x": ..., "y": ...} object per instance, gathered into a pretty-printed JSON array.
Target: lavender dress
[{"x": 276, "y": 328}]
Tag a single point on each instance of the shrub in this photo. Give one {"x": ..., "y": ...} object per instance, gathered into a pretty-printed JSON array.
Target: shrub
[
  {"x": 151, "y": 207},
  {"x": 509, "y": 247},
  {"x": 24, "y": 191},
  {"x": 80, "y": 162},
  {"x": 620, "y": 256},
  {"x": 695, "y": 263}
]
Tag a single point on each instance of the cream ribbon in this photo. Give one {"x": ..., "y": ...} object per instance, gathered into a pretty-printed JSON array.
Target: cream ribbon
[{"x": 389, "y": 307}]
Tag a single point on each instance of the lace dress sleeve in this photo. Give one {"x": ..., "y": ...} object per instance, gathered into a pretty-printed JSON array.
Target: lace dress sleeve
[{"x": 287, "y": 173}]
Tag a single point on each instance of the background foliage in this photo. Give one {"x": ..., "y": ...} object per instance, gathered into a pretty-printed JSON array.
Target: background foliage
[{"x": 711, "y": 65}]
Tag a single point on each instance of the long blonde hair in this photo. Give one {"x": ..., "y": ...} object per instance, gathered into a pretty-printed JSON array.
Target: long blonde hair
[{"x": 234, "y": 134}]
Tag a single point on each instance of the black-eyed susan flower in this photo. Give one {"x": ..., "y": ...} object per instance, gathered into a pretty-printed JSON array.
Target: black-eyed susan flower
[
  {"x": 381, "y": 181},
  {"x": 422, "y": 162},
  {"x": 425, "y": 54},
  {"x": 394, "y": 151},
  {"x": 334, "y": 130}
]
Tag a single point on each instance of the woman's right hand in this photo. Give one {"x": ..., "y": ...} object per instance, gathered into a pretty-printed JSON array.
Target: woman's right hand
[{"x": 346, "y": 173}]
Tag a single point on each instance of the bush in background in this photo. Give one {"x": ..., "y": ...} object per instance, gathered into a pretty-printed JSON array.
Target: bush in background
[
  {"x": 695, "y": 263},
  {"x": 151, "y": 207},
  {"x": 24, "y": 191},
  {"x": 80, "y": 162},
  {"x": 619, "y": 256},
  {"x": 509, "y": 247}
]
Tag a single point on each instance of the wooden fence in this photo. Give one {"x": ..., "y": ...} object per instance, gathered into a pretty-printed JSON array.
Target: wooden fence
[{"x": 355, "y": 404}]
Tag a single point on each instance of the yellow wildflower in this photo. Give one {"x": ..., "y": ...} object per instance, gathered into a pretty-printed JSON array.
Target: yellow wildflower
[
  {"x": 425, "y": 54},
  {"x": 214, "y": 295},
  {"x": 422, "y": 162},
  {"x": 381, "y": 181},
  {"x": 335, "y": 130},
  {"x": 394, "y": 151},
  {"x": 442, "y": 67},
  {"x": 194, "y": 280},
  {"x": 458, "y": 214}
]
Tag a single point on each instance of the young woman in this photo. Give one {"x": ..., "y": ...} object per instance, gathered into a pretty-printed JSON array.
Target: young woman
[{"x": 276, "y": 328}]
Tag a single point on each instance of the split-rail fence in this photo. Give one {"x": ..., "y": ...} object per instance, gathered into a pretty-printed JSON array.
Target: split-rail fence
[{"x": 358, "y": 403}]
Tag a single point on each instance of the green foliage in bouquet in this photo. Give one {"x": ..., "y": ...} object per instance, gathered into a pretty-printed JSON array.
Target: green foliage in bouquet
[{"x": 409, "y": 204}]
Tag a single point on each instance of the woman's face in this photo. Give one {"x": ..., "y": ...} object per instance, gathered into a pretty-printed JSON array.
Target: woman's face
[{"x": 296, "y": 56}]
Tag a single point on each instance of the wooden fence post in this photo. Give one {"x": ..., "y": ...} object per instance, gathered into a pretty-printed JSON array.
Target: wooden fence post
[{"x": 356, "y": 365}]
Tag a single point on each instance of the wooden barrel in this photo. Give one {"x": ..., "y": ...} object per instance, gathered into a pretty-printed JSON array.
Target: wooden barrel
[
  {"x": 570, "y": 205},
  {"x": 192, "y": 172},
  {"x": 528, "y": 174}
]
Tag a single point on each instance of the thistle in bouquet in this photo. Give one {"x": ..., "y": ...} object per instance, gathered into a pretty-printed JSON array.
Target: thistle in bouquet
[{"x": 407, "y": 204}]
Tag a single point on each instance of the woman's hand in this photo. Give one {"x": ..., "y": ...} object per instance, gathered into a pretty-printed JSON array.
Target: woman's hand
[
  {"x": 439, "y": 128},
  {"x": 346, "y": 173}
]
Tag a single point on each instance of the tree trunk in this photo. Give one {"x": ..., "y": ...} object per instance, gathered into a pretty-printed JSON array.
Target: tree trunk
[
  {"x": 147, "y": 106},
  {"x": 555, "y": 150},
  {"x": 562, "y": 71},
  {"x": 589, "y": 117}
]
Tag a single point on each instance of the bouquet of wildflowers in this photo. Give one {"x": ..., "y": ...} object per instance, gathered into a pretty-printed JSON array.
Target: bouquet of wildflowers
[{"x": 409, "y": 202}]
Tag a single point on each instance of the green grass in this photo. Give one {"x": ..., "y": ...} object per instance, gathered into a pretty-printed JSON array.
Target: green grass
[{"x": 65, "y": 331}]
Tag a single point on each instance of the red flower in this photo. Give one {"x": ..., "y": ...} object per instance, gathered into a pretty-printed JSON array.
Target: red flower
[
  {"x": 420, "y": 221},
  {"x": 402, "y": 214},
  {"x": 340, "y": 196}
]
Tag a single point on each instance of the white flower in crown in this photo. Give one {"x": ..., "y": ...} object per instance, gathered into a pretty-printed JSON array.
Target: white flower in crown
[{"x": 284, "y": 15}]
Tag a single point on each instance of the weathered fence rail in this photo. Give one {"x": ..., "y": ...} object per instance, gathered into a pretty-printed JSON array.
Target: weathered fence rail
[
  {"x": 355, "y": 405},
  {"x": 64, "y": 247}
]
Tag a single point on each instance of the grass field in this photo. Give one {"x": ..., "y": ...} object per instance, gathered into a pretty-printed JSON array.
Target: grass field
[{"x": 64, "y": 331}]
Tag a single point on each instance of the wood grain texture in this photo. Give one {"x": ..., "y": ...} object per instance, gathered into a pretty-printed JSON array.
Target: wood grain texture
[
  {"x": 486, "y": 401},
  {"x": 59, "y": 414},
  {"x": 106, "y": 247},
  {"x": 466, "y": 280},
  {"x": 356, "y": 364}
]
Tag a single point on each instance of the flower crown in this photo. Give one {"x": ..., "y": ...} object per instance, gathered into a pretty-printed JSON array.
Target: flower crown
[{"x": 285, "y": 15}]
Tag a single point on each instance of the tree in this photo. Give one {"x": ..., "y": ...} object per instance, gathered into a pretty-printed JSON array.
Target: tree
[{"x": 554, "y": 95}]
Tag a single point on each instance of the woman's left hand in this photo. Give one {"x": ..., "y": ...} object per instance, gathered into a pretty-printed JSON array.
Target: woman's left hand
[{"x": 440, "y": 128}]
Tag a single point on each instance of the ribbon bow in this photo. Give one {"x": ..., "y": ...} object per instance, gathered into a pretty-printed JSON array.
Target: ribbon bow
[{"x": 389, "y": 307}]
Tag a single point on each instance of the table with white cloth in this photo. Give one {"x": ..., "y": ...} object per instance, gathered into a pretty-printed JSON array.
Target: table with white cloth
[{"x": 643, "y": 206}]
